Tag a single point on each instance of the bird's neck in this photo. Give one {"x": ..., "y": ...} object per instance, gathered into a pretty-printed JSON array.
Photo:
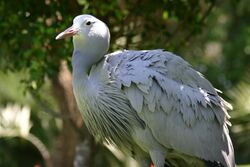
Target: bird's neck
[
  {"x": 81, "y": 63},
  {"x": 87, "y": 53}
]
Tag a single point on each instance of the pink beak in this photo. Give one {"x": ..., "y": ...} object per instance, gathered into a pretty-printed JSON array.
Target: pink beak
[{"x": 69, "y": 32}]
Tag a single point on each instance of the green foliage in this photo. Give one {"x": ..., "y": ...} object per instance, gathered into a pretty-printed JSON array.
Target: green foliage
[
  {"x": 13, "y": 153},
  {"x": 213, "y": 35},
  {"x": 29, "y": 27},
  {"x": 237, "y": 47},
  {"x": 28, "y": 30},
  {"x": 240, "y": 118}
]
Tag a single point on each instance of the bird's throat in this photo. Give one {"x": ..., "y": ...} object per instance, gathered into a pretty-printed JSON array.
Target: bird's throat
[
  {"x": 81, "y": 64},
  {"x": 78, "y": 42}
]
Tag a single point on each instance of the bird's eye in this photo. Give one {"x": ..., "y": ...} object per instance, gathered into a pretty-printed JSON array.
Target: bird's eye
[{"x": 88, "y": 23}]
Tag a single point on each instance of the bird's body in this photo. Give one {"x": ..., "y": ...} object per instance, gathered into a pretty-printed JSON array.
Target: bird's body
[{"x": 151, "y": 104}]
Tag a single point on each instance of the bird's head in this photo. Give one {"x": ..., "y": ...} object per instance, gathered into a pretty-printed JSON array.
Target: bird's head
[{"x": 90, "y": 34}]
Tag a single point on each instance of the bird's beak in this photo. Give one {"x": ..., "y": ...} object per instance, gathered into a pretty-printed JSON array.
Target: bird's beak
[{"x": 69, "y": 32}]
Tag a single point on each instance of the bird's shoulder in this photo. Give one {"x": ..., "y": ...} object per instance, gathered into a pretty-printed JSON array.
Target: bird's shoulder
[{"x": 132, "y": 66}]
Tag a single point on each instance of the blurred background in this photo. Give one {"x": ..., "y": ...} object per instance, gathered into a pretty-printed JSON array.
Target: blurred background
[{"x": 39, "y": 121}]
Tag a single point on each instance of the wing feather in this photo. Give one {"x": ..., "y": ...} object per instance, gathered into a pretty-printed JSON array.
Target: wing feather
[
  {"x": 135, "y": 98},
  {"x": 162, "y": 80},
  {"x": 176, "y": 102}
]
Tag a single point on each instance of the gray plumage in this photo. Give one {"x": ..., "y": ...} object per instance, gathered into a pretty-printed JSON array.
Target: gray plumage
[{"x": 151, "y": 104}]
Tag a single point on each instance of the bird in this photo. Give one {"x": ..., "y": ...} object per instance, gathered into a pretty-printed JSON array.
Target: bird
[{"x": 151, "y": 104}]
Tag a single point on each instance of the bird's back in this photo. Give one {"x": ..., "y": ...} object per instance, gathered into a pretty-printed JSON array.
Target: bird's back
[{"x": 179, "y": 106}]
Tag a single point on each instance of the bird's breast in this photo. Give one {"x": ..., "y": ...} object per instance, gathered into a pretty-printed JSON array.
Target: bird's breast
[{"x": 106, "y": 112}]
